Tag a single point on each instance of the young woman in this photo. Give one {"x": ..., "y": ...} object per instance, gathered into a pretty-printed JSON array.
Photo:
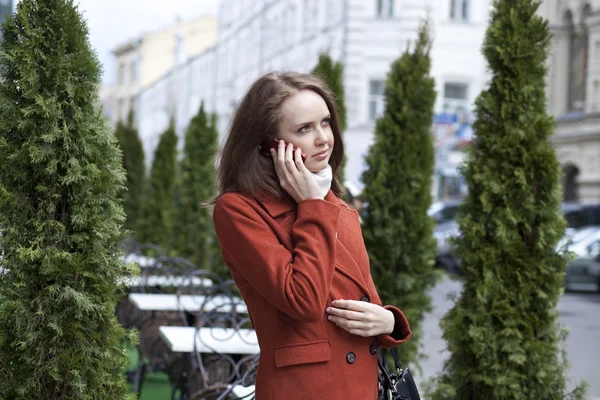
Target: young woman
[{"x": 295, "y": 249}]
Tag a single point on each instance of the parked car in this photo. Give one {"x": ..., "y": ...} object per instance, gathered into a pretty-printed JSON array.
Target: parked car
[
  {"x": 583, "y": 273},
  {"x": 445, "y": 257},
  {"x": 584, "y": 246},
  {"x": 444, "y": 211},
  {"x": 580, "y": 230},
  {"x": 576, "y": 236}
]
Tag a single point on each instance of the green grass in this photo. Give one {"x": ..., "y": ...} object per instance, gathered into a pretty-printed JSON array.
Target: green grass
[{"x": 156, "y": 385}]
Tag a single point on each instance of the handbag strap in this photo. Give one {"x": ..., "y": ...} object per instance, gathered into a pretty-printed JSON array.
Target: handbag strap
[
  {"x": 383, "y": 370},
  {"x": 381, "y": 360},
  {"x": 394, "y": 351}
]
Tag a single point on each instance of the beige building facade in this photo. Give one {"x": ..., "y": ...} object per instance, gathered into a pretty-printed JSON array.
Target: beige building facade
[
  {"x": 574, "y": 94},
  {"x": 143, "y": 61}
]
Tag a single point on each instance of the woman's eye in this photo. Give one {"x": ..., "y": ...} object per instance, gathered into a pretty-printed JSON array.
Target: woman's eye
[
  {"x": 326, "y": 121},
  {"x": 305, "y": 128}
]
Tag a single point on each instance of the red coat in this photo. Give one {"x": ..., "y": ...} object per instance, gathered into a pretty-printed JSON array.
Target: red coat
[{"x": 290, "y": 262}]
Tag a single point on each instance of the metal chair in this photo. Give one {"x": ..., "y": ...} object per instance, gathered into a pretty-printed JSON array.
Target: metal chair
[
  {"x": 164, "y": 276},
  {"x": 211, "y": 375}
]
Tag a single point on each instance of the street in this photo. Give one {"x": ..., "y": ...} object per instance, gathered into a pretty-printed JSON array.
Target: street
[{"x": 580, "y": 312}]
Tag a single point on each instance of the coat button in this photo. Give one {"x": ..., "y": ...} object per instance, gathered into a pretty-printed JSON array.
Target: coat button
[
  {"x": 373, "y": 348},
  {"x": 365, "y": 298},
  {"x": 351, "y": 357}
]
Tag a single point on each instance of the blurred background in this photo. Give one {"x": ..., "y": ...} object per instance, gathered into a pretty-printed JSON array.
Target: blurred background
[{"x": 162, "y": 59}]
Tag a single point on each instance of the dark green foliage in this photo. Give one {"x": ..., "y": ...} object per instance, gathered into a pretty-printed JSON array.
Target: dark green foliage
[
  {"x": 396, "y": 227},
  {"x": 133, "y": 162},
  {"x": 195, "y": 230},
  {"x": 503, "y": 333},
  {"x": 333, "y": 74},
  {"x": 60, "y": 213},
  {"x": 160, "y": 210}
]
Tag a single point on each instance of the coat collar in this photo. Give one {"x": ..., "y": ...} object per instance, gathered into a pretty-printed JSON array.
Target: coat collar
[{"x": 277, "y": 207}]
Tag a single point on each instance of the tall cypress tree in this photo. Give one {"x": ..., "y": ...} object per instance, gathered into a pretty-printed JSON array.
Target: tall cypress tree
[
  {"x": 198, "y": 184},
  {"x": 398, "y": 232},
  {"x": 160, "y": 210},
  {"x": 503, "y": 334},
  {"x": 60, "y": 213},
  {"x": 214, "y": 249},
  {"x": 333, "y": 74},
  {"x": 133, "y": 162}
]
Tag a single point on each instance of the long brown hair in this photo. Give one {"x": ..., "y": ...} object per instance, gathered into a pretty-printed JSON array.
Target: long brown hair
[{"x": 241, "y": 168}]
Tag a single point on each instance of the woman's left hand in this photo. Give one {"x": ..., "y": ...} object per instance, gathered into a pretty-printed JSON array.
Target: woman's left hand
[{"x": 361, "y": 318}]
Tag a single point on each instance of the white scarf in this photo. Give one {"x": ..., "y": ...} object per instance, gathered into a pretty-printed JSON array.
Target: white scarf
[{"x": 324, "y": 178}]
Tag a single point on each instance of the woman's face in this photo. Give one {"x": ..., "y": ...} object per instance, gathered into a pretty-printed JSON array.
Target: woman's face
[{"x": 305, "y": 123}]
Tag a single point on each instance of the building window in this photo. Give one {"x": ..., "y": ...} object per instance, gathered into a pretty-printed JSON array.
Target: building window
[
  {"x": 456, "y": 99},
  {"x": 385, "y": 8},
  {"x": 578, "y": 60},
  {"x": 376, "y": 99},
  {"x": 121, "y": 76},
  {"x": 121, "y": 110},
  {"x": 459, "y": 10},
  {"x": 133, "y": 72}
]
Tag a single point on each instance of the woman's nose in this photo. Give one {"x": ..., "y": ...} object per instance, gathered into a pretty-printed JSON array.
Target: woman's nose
[{"x": 321, "y": 136}]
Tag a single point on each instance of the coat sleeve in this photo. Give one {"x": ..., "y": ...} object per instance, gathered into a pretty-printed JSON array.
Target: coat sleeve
[
  {"x": 401, "y": 332},
  {"x": 296, "y": 282}
]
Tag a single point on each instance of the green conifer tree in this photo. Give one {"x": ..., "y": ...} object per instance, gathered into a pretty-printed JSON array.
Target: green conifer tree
[
  {"x": 60, "y": 214},
  {"x": 332, "y": 73},
  {"x": 133, "y": 162},
  {"x": 198, "y": 184},
  {"x": 398, "y": 232},
  {"x": 214, "y": 249},
  {"x": 160, "y": 215},
  {"x": 503, "y": 334}
]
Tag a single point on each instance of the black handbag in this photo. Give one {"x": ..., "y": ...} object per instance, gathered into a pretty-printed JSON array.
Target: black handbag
[{"x": 398, "y": 385}]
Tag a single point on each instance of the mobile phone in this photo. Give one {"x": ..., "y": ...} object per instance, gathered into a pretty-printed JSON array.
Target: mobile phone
[{"x": 268, "y": 144}]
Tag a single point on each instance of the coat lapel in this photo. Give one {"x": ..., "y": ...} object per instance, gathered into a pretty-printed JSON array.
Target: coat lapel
[{"x": 346, "y": 265}]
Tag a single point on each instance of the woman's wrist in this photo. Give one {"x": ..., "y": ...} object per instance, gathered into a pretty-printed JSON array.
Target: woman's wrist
[{"x": 391, "y": 320}]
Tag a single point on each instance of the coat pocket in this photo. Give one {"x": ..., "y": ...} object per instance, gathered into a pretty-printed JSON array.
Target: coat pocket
[{"x": 302, "y": 353}]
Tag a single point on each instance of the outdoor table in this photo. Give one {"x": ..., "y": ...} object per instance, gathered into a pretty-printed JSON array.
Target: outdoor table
[
  {"x": 189, "y": 303},
  {"x": 142, "y": 261},
  {"x": 243, "y": 392},
  {"x": 180, "y": 339},
  {"x": 164, "y": 281}
]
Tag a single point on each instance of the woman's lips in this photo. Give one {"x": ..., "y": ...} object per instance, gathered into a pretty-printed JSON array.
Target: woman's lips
[{"x": 321, "y": 155}]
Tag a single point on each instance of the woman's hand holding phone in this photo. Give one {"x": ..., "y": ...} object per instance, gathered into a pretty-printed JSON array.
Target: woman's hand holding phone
[{"x": 293, "y": 175}]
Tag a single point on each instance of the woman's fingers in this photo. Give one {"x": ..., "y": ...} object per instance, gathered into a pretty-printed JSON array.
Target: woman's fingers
[
  {"x": 346, "y": 323},
  {"x": 299, "y": 163},
  {"x": 289, "y": 160},
  {"x": 347, "y": 314},
  {"x": 360, "y": 328},
  {"x": 355, "y": 322},
  {"x": 278, "y": 163},
  {"x": 282, "y": 165},
  {"x": 353, "y": 305},
  {"x": 361, "y": 318}
]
